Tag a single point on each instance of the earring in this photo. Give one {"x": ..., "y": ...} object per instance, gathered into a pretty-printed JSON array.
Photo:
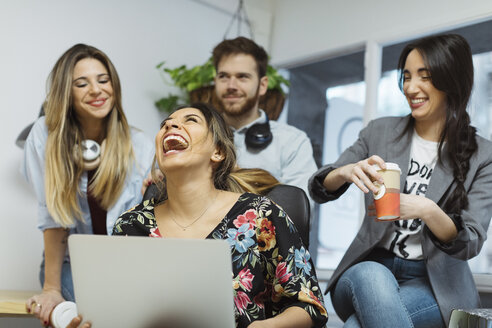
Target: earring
[{"x": 217, "y": 157}]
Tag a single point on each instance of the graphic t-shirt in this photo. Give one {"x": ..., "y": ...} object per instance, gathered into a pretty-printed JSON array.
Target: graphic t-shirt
[{"x": 404, "y": 237}]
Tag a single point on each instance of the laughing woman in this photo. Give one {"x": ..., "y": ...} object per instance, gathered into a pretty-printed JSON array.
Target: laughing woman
[
  {"x": 80, "y": 191},
  {"x": 412, "y": 272},
  {"x": 274, "y": 280}
]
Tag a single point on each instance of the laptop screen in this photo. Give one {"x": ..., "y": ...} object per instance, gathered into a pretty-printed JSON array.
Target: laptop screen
[{"x": 152, "y": 282}]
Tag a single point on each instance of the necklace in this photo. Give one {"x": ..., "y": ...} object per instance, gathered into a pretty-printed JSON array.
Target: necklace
[{"x": 184, "y": 227}]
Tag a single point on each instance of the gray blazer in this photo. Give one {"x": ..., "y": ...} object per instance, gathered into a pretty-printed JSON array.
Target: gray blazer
[{"x": 447, "y": 267}]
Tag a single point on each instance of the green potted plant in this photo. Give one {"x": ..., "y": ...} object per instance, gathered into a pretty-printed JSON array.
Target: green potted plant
[{"x": 197, "y": 84}]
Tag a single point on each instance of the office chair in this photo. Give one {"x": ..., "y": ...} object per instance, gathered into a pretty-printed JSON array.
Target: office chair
[
  {"x": 291, "y": 198},
  {"x": 21, "y": 139},
  {"x": 296, "y": 204}
]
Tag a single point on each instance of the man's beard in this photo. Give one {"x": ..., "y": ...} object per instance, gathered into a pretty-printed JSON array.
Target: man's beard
[{"x": 233, "y": 111}]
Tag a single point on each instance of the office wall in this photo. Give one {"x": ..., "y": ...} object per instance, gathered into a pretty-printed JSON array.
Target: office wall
[
  {"x": 136, "y": 35},
  {"x": 324, "y": 27}
]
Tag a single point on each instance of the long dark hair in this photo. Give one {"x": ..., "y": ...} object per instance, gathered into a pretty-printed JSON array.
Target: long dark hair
[{"x": 448, "y": 59}]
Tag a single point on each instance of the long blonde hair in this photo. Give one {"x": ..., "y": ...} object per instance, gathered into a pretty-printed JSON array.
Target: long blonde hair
[
  {"x": 255, "y": 180},
  {"x": 64, "y": 165},
  {"x": 227, "y": 175}
]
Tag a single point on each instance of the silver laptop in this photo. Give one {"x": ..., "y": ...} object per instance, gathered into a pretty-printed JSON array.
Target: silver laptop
[{"x": 152, "y": 282}]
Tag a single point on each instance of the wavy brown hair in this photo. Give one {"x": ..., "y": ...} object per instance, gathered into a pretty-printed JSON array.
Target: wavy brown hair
[
  {"x": 241, "y": 45},
  {"x": 64, "y": 168},
  {"x": 448, "y": 59}
]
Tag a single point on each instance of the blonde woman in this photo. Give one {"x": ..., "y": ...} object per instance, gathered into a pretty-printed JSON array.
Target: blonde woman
[{"x": 85, "y": 163}]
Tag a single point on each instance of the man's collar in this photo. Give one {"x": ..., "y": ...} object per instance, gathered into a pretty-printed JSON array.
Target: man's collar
[{"x": 261, "y": 119}]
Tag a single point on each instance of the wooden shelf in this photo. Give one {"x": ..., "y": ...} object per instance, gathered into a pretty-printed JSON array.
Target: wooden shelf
[{"x": 13, "y": 302}]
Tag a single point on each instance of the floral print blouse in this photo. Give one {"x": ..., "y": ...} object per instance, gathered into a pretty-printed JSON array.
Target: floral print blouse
[{"x": 272, "y": 270}]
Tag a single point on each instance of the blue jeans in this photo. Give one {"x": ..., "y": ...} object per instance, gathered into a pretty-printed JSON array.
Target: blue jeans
[
  {"x": 66, "y": 280},
  {"x": 386, "y": 291}
]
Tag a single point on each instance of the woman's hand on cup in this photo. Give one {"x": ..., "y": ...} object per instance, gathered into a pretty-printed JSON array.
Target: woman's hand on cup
[
  {"x": 413, "y": 206},
  {"x": 363, "y": 174},
  {"x": 77, "y": 323},
  {"x": 42, "y": 304}
]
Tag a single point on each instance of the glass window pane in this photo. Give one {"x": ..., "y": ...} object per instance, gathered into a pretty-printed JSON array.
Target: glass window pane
[
  {"x": 391, "y": 101},
  {"x": 339, "y": 220},
  {"x": 480, "y": 110}
]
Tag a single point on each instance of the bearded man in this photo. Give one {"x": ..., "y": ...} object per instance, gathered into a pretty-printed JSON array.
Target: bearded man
[{"x": 283, "y": 150}]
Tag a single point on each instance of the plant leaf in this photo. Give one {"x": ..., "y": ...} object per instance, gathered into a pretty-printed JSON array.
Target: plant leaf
[{"x": 167, "y": 104}]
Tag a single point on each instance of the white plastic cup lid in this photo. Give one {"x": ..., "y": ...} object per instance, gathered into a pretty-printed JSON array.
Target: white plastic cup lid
[
  {"x": 63, "y": 313},
  {"x": 389, "y": 166}
]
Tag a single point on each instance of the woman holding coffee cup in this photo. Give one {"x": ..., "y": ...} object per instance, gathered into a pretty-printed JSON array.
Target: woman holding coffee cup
[{"x": 412, "y": 270}]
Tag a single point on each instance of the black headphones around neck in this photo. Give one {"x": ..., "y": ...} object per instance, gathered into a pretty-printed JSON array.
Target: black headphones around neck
[{"x": 259, "y": 136}]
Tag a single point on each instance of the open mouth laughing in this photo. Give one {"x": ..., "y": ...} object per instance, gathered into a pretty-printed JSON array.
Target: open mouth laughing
[{"x": 174, "y": 143}]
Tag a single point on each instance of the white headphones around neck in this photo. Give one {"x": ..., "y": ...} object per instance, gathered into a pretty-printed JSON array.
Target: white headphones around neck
[{"x": 91, "y": 153}]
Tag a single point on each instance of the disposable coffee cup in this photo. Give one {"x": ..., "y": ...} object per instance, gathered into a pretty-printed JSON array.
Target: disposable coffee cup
[
  {"x": 62, "y": 314},
  {"x": 387, "y": 199}
]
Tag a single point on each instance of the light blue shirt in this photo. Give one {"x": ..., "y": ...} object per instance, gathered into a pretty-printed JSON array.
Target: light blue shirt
[
  {"x": 33, "y": 169},
  {"x": 289, "y": 157}
]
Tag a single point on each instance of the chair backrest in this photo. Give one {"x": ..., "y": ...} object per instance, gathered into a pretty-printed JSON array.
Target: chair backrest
[
  {"x": 151, "y": 192},
  {"x": 295, "y": 203},
  {"x": 291, "y": 198}
]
